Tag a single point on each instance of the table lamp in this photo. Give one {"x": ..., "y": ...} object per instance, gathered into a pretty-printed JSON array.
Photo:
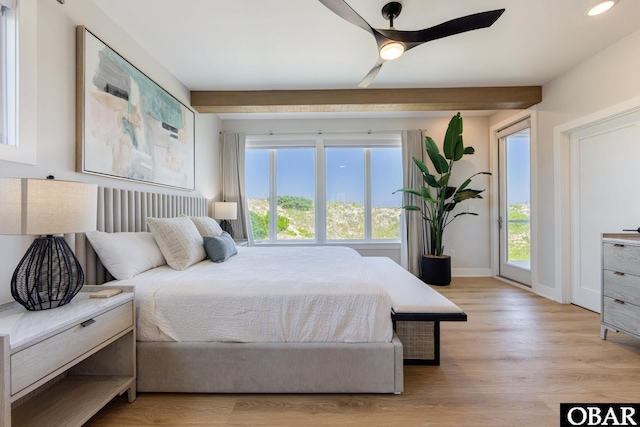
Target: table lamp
[
  {"x": 49, "y": 275},
  {"x": 225, "y": 211}
]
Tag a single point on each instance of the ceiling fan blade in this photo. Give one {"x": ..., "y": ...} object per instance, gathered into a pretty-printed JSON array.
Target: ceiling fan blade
[
  {"x": 446, "y": 29},
  {"x": 371, "y": 75},
  {"x": 343, "y": 10}
]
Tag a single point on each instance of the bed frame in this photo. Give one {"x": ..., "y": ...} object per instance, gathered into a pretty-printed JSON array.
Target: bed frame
[{"x": 198, "y": 367}]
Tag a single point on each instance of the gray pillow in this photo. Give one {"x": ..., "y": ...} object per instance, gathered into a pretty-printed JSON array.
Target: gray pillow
[{"x": 220, "y": 248}]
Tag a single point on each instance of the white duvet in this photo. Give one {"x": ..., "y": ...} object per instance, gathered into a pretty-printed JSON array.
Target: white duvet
[{"x": 319, "y": 294}]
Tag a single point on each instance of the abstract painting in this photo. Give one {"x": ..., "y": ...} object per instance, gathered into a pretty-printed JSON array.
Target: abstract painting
[{"x": 127, "y": 126}]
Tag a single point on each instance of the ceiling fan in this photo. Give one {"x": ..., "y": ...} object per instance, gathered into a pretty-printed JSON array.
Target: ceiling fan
[{"x": 393, "y": 43}]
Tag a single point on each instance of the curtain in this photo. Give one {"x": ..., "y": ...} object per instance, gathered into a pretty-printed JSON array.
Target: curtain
[
  {"x": 232, "y": 159},
  {"x": 7, "y": 5},
  {"x": 413, "y": 233}
]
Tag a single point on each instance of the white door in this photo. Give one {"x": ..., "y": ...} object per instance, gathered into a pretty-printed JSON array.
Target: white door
[
  {"x": 605, "y": 178},
  {"x": 514, "y": 222}
]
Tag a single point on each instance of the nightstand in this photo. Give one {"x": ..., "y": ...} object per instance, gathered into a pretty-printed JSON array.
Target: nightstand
[{"x": 61, "y": 366}]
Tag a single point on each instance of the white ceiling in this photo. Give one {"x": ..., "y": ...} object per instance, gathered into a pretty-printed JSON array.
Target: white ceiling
[{"x": 300, "y": 44}]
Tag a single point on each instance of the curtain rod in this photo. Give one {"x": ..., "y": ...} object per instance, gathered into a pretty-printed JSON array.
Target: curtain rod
[{"x": 313, "y": 132}]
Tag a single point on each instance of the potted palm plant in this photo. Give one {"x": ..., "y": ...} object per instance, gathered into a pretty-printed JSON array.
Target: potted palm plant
[{"x": 439, "y": 199}]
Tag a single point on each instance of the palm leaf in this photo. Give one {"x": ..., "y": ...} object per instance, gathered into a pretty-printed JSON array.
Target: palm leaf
[
  {"x": 467, "y": 194},
  {"x": 410, "y": 191},
  {"x": 439, "y": 162},
  {"x": 452, "y": 137},
  {"x": 411, "y": 208}
]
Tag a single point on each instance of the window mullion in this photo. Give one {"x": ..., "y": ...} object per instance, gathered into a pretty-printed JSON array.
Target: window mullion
[
  {"x": 321, "y": 193},
  {"x": 273, "y": 196},
  {"x": 367, "y": 194}
]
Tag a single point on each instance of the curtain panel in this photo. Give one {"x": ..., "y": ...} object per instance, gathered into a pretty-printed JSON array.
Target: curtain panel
[
  {"x": 232, "y": 156},
  {"x": 414, "y": 233},
  {"x": 7, "y": 4}
]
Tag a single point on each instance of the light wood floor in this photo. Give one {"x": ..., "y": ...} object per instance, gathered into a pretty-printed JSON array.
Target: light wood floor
[{"x": 515, "y": 360}]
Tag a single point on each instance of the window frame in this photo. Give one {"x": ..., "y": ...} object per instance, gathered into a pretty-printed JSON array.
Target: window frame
[
  {"x": 22, "y": 84},
  {"x": 320, "y": 142},
  {"x": 8, "y": 73}
]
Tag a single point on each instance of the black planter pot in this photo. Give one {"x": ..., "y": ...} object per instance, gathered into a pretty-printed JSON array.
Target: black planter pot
[{"x": 436, "y": 270}]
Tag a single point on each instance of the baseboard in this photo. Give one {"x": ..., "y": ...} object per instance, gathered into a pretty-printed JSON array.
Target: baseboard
[
  {"x": 545, "y": 291},
  {"x": 540, "y": 290},
  {"x": 471, "y": 272}
]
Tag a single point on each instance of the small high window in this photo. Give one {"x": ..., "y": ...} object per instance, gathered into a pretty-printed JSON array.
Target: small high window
[{"x": 8, "y": 81}]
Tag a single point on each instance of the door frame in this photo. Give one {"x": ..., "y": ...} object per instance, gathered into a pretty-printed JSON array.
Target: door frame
[
  {"x": 494, "y": 166},
  {"x": 506, "y": 269},
  {"x": 562, "y": 170}
]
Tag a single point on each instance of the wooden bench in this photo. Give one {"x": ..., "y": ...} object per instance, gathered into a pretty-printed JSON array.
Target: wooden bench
[{"x": 417, "y": 310}]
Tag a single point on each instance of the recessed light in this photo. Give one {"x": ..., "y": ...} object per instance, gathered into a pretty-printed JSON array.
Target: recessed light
[{"x": 601, "y": 7}]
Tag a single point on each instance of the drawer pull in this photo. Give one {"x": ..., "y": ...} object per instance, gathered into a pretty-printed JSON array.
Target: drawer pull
[
  {"x": 618, "y": 273},
  {"x": 618, "y": 245},
  {"x": 88, "y": 323},
  {"x": 618, "y": 301}
]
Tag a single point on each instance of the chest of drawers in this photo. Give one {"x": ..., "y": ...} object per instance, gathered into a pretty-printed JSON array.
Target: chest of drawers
[{"x": 620, "y": 309}]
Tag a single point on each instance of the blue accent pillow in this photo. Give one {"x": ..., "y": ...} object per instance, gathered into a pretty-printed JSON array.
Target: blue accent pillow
[{"x": 220, "y": 248}]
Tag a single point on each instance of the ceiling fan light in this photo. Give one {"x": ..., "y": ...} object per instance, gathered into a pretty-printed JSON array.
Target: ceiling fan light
[
  {"x": 391, "y": 51},
  {"x": 601, "y": 7}
]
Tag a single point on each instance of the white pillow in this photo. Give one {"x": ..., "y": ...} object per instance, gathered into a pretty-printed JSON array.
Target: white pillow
[
  {"x": 207, "y": 226},
  {"x": 179, "y": 241},
  {"x": 126, "y": 255}
]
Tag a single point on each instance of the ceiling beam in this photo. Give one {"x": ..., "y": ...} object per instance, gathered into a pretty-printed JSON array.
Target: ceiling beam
[{"x": 351, "y": 100}]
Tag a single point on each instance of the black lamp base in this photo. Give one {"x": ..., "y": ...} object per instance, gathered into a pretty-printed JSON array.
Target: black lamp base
[
  {"x": 226, "y": 226},
  {"x": 48, "y": 276}
]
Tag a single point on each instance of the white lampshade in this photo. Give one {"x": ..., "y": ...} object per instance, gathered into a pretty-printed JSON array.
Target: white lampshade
[
  {"x": 225, "y": 210},
  {"x": 46, "y": 206}
]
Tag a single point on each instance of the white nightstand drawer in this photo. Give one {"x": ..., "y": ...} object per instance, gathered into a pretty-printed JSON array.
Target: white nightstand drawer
[
  {"x": 36, "y": 362},
  {"x": 623, "y": 315},
  {"x": 621, "y": 257},
  {"x": 621, "y": 286}
]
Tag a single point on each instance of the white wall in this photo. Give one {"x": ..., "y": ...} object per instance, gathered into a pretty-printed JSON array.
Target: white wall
[
  {"x": 606, "y": 79},
  {"x": 468, "y": 235},
  {"x": 56, "y": 112}
]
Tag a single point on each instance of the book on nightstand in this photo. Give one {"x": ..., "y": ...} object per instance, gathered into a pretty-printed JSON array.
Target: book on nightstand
[{"x": 106, "y": 293}]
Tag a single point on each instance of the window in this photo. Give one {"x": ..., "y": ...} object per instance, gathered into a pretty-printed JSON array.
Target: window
[
  {"x": 8, "y": 44},
  {"x": 386, "y": 178},
  {"x": 290, "y": 194},
  {"x": 514, "y": 179},
  {"x": 324, "y": 190},
  {"x": 295, "y": 189},
  {"x": 3, "y": 77},
  {"x": 257, "y": 173},
  {"x": 19, "y": 95},
  {"x": 345, "y": 193}
]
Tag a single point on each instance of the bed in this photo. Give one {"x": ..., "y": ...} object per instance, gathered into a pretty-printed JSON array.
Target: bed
[{"x": 316, "y": 334}]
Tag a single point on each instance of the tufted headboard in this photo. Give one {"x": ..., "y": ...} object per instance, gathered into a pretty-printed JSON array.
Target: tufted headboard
[{"x": 127, "y": 210}]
